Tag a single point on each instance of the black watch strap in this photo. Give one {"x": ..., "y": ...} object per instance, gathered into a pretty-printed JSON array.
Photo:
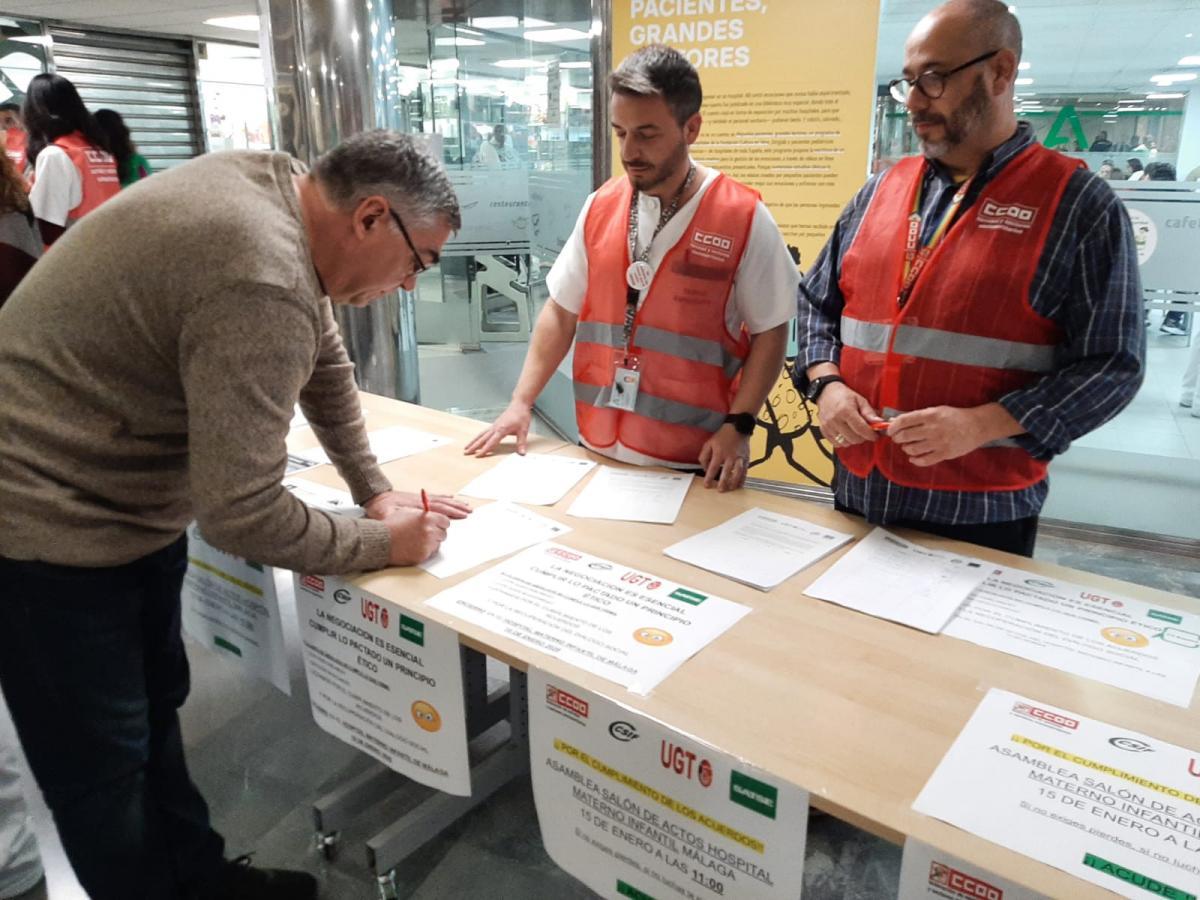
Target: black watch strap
[
  {"x": 819, "y": 384},
  {"x": 743, "y": 423}
]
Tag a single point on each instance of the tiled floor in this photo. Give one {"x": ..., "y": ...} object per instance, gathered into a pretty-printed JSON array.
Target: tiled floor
[{"x": 261, "y": 761}]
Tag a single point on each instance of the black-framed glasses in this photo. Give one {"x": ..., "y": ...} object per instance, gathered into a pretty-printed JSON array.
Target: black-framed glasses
[
  {"x": 931, "y": 84},
  {"x": 418, "y": 263}
]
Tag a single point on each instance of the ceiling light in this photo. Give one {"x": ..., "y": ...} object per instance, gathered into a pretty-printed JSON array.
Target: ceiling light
[
  {"x": 578, "y": 65},
  {"x": 509, "y": 22},
  {"x": 1165, "y": 96},
  {"x": 43, "y": 39},
  {"x": 458, "y": 42},
  {"x": 1025, "y": 66},
  {"x": 1171, "y": 78},
  {"x": 1134, "y": 109},
  {"x": 239, "y": 23},
  {"x": 1023, "y": 81},
  {"x": 517, "y": 64},
  {"x": 1189, "y": 61},
  {"x": 557, "y": 34},
  {"x": 1133, "y": 100}
]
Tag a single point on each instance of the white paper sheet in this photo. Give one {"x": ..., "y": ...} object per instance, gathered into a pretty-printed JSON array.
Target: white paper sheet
[
  {"x": 321, "y": 496},
  {"x": 632, "y": 496},
  {"x": 634, "y": 809},
  {"x": 1151, "y": 650},
  {"x": 628, "y": 626},
  {"x": 889, "y": 577},
  {"x": 758, "y": 548},
  {"x": 488, "y": 533},
  {"x": 298, "y": 463},
  {"x": 1102, "y": 802},
  {"x": 537, "y": 479},
  {"x": 387, "y": 444}
]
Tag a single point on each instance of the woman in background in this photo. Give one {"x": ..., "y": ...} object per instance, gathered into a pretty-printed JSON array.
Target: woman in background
[
  {"x": 72, "y": 172},
  {"x": 131, "y": 165},
  {"x": 20, "y": 243}
]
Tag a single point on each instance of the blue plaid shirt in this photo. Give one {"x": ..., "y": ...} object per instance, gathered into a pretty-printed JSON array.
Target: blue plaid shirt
[{"x": 1086, "y": 281}]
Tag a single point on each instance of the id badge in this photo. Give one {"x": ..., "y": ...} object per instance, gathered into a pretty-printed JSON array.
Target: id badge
[{"x": 624, "y": 390}]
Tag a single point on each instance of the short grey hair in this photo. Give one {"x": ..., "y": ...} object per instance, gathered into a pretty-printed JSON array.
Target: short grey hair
[
  {"x": 994, "y": 25},
  {"x": 394, "y": 166}
]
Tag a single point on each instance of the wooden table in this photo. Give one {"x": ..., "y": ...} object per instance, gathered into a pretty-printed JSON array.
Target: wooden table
[{"x": 856, "y": 710}]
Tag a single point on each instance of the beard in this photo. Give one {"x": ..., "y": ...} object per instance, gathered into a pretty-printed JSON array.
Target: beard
[
  {"x": 959, "y": 125},
  {"x": 650, "y": 178}
]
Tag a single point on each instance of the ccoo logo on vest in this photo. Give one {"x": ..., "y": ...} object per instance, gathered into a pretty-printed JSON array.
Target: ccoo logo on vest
[
  {"x": 712, "y": 246},
  {"x": 1015, "y": 218}
]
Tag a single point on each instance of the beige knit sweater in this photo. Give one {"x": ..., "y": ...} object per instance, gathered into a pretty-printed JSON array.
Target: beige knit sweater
[{"x": 149, "y": 365}]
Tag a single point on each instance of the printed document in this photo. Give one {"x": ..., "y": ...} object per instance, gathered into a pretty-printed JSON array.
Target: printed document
[
  {"x": 488, "y": 533},
  {"x": 387, "y": 444},
  {"x": 631, "y": 627},
  {"x": 537, "y": 479},
  {"x": 759, "y": 548},
  {"x": 889, "y": 577},
  {"x": 1151, "y": 650},
  {"x": 632, "y": 496},
  {"x": 323, "y": 497},
  {"x": 1102, "y": 802}
]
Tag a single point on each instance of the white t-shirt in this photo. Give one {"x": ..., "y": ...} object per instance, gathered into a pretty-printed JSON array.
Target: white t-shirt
[
  {"x": 764, "y": 287},
  {"x": 57, "y": 186}
]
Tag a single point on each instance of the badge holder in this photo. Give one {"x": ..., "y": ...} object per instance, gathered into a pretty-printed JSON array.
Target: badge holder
[{"x": 622, "y": 393}]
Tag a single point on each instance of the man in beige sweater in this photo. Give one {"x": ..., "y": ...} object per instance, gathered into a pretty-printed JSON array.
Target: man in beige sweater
[{"x": 149, "y": 367}]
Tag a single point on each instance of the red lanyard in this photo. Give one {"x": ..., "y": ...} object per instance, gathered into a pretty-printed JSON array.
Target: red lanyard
[{"x": 916, "y": 256}]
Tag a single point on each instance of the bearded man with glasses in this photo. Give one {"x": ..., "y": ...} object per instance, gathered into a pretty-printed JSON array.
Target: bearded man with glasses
[{"x": 976, "y": 309}]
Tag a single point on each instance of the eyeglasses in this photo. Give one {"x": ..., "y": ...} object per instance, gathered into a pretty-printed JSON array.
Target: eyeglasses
[
  {"x": 418, "y": 264},
  {"x": 931, "y": 84}
]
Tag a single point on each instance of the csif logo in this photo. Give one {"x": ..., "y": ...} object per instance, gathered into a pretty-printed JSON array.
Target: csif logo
[
  {"x": 961, "y": 883},
  {"x": 557, "y": 697},
  {"x": 341, "y": 595},
  {"x": 623, "y": 731},
  {"x": 1133, "y": 745}
]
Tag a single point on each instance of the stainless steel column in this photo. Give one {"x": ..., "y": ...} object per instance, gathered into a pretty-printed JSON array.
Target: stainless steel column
[{"x": 327, "y": 63}]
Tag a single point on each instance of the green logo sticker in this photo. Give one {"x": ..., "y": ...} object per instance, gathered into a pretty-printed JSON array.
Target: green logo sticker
[
  {"x": 687, "y": 596},
  {"x": 753, "y": 794},
  {"x": 226, "y": 645},
  {"x": 412, "y": 630},
  {"x": 628, "y": 890},
  {"x": 1165, "y": 617},
  {"x": 1137, "y": 879}
]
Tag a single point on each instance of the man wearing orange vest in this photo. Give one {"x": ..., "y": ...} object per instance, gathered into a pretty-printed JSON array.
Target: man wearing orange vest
[
  {"x": 676, "y": 288},
  {"x": 14, "y": 135},
  {"x": 976, "y": 309}
]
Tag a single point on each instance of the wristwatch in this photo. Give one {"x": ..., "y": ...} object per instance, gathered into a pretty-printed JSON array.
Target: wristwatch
[
  {"x": 819, "y": 384},
  {"x": 743, "y": 423}
]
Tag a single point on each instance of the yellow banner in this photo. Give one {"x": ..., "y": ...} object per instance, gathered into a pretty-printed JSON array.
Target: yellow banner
[{"x": 789, "y": 92}]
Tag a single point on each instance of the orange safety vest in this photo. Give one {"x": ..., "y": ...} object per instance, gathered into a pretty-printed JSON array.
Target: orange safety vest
[
  {"x": 14, "y": 146},
  {"x": 689, "y": 361},
  {"x": 97, "y": 172},
  {"x": 968, "y": 334}
]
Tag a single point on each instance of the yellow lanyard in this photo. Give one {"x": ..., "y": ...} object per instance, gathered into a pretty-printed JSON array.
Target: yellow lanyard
[{"x": 916, "y": 256}]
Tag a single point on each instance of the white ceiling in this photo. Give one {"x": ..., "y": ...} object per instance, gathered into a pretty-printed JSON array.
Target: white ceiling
[
  {"x": 1089, "y": 46},
  {"x": 185, "y": 17}
]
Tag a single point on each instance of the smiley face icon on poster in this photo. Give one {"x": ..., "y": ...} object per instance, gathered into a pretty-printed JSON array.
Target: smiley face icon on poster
[
  {"x": 653, "y": 637},
  {"x": 426, "y": 717},
  {"x": 1124, "y": 637}
]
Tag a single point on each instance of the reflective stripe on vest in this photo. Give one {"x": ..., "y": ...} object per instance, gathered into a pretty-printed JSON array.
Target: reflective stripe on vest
[
  {"x": 948, "y": 346},
  {"x": 658, "y": 339},
  {"x": 670, "y": 411}
]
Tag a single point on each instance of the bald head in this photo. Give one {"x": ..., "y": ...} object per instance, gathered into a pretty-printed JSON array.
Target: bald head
[{"x": 981, "y": 25}]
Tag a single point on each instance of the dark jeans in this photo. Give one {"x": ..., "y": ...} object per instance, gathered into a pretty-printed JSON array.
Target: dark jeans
[
  {"x": 93, "y": 668},
  {"x": 1017, "y": 536}
]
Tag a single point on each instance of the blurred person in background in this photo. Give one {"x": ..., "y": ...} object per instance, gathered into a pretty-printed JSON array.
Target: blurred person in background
[
  {"x": 20, "y": 243},
  {"x": 73, "y": 173},
  {"x": 14, "y": 134},
  {"x": 131, "y": 165}
]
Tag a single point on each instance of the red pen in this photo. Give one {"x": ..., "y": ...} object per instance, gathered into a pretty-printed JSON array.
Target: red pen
[
  {"x": 424, "y": 499},
  {"x": 880, "y": 426}
]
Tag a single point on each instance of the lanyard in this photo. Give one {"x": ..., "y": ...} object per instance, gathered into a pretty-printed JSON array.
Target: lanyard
[
  {"x": 917, "y": 257},
  {"x": 665, "y": 215}
]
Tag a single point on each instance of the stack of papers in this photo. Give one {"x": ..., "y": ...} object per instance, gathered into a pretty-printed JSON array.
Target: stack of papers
[
  {"x": 488, "y": 533},
  {"x": 632, "y": 496},
  {"x": 321, "y": 497},
  {"x": 387, "y": 444},
  {"x": 895, "y": 579},
  {"x": 758, "y": 548},
  {"x": 536, "y": 479}
]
